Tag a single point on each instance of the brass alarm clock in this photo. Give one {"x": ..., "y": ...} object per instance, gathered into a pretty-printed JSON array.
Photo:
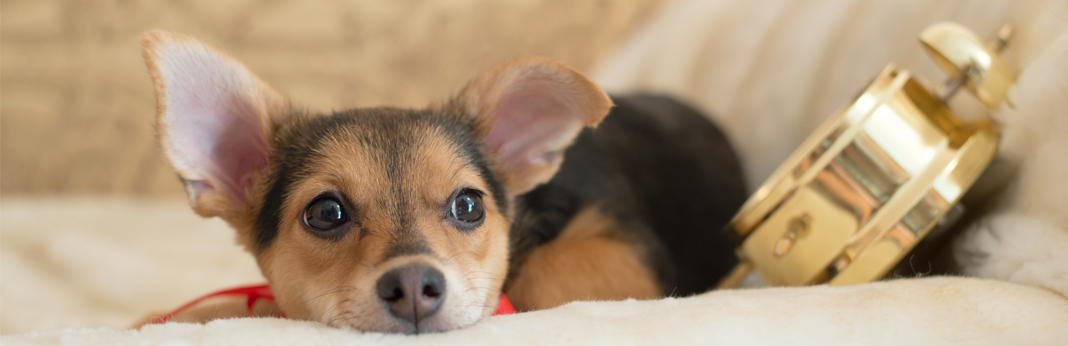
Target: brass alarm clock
[{"x": 876, "y": 177}]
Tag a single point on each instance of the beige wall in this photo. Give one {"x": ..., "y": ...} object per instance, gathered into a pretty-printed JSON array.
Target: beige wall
[{"x": 76, "y": 104}]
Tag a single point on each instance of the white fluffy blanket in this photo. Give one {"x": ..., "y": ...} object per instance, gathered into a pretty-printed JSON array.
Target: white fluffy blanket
[
  {"x": 877, "y": 314},
  {"x": 770, "y": 72}
]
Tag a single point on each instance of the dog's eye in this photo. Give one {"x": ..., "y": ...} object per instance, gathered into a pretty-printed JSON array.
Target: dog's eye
[
  {"x": 467, "y": 206},
  {"x": 324, "y": 214}
]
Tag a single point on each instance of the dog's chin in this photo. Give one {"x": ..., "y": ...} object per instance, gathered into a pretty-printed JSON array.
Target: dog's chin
[
  {"x": 432, "y": 325},
  {"x": 455, "y": 313},
  {"x": 391, "y": 325}
]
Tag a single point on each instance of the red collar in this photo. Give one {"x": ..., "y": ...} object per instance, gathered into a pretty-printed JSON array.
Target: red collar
[{"x": 255, "y": 293}]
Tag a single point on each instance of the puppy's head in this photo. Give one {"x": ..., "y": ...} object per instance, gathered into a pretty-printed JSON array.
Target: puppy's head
[{"x": 378, "y": 219}]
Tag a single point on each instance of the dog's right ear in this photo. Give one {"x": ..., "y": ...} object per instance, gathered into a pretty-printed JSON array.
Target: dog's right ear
[
  {"x": 526, "y": 113},
  {"x": 214, "y": 120}
]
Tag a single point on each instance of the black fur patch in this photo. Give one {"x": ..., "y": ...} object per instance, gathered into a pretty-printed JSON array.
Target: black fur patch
[{"x": 399, "y": 248}]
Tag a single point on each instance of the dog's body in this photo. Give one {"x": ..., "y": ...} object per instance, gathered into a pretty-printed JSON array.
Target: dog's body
[
  {"x": 659, "y": 171},
  {"x": 402, "y": 220}
]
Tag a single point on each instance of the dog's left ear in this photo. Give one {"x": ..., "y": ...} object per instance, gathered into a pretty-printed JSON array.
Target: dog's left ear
[{"x": 527, "y": 112}]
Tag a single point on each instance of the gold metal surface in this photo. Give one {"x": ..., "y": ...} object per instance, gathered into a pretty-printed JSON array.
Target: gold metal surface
[
  {"x": 967, "y": 58},
  {"x": 876, "y": 177}
]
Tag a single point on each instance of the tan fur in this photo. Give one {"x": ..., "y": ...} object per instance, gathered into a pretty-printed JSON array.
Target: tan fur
[{"x": 588, "y": 261}]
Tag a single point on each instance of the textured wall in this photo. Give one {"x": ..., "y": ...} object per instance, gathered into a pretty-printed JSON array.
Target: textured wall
[{"x": 76, "y": 104}]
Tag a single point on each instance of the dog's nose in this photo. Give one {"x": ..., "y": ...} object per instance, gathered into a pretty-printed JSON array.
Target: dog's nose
[{"x": 412, "y": 293}]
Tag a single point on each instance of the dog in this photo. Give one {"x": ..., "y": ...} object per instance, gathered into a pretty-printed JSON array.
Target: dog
[{"x": 531, "y": 181}]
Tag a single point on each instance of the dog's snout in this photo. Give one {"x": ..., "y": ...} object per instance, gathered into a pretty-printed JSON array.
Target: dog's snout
[{"x": 412, "y": 293}]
